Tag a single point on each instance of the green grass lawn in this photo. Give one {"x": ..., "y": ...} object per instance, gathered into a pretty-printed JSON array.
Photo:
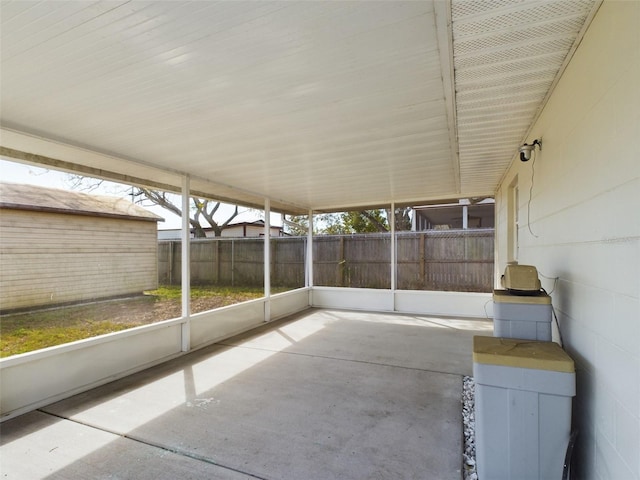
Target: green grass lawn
[{"x": 25, "y": 332}]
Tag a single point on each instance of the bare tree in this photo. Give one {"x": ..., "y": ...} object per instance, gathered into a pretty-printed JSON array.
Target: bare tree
[
  {"x": 85, "y": 184},
  {"x": 199, "y": 208},
  {"x": 202, "y": 210}
]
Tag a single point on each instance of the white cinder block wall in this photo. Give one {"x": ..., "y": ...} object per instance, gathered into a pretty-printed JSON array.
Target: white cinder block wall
[{"x": 583, "y": 226}]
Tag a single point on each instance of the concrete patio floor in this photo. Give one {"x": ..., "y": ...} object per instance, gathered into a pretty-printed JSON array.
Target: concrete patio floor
[{"x": 325, "y": 394}]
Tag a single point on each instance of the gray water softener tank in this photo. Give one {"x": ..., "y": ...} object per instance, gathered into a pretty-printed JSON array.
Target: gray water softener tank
[
  {"x": 523, "y": 396},
  {"x": 522, "y": 316},
  {"x": 523, "y": 308}
]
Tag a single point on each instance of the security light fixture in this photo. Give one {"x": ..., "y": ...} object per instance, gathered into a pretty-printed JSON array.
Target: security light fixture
[{"x": 526, "y": 150}]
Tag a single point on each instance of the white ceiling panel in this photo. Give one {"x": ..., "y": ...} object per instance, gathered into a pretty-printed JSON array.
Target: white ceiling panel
[{"x": 315, "y": 105}]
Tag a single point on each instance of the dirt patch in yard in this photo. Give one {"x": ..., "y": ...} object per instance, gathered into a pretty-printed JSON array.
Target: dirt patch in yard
[{"x": 150, "y": 309}]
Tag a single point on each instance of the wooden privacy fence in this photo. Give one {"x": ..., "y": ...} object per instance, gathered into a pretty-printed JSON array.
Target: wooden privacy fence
[{"x": 455, "y": 260}]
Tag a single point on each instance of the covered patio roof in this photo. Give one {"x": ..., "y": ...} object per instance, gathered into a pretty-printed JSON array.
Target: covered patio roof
[{"x": 318, "y": 106}]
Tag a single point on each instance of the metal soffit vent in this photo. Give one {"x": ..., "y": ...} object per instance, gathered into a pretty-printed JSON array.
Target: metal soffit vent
[{"x": 506, "y": 56}]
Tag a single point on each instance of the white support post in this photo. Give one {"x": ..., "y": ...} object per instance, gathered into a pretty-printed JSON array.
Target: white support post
[
  {"x": 267, "y": 259},
  {"x": 465, "y": 217},
  {"x": 309, "y": 263},
  {"x": 186, "y": 266},
  {"x": 392, "y": 224}
]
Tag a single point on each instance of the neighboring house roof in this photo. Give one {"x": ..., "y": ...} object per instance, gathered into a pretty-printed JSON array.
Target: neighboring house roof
[
  {"x": 480, "y": 214},
  {"x": 41, "y": 199},
  {"x": 257, "y": 223},
  {"x": 170, "y": 234}
]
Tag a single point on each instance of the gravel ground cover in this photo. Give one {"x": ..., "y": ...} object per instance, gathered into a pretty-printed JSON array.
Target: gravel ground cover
[{"x": 469, "y": 427}]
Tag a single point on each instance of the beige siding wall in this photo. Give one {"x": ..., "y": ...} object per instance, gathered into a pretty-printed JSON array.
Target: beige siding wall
[
  {"x": 48, "y": 258},
  {"x": 583, "y": 226},
  {"x": 246, "y": 231}
]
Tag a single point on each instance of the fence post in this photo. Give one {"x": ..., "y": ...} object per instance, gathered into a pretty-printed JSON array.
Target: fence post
[
  {"x": 233, "y": 256},
  {"x": 217, "y": 260},
  {"x": 170, "y": 263},
  {"x": 423, "y": 239},
  {"x": 341, "y": 263},
  {"x": 274, "y": 272}
]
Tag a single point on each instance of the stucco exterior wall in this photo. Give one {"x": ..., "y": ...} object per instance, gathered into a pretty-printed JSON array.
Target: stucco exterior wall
[
  {"x": 54, "y": 258},
  {"x": 581, "y": 223}
]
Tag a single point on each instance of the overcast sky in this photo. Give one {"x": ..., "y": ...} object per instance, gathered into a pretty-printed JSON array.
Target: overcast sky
[{"x": 27, "y": 174}]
